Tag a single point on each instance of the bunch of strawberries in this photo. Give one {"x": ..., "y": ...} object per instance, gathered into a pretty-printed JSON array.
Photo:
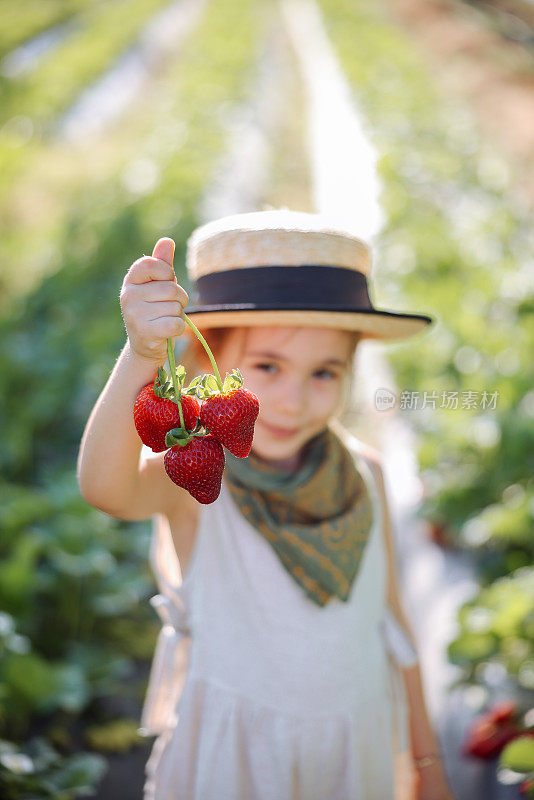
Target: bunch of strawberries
[{"x": 169, "y": 417}]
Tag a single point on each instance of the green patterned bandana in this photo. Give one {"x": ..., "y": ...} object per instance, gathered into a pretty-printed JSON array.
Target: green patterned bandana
[{"x": 317, "y": 519}]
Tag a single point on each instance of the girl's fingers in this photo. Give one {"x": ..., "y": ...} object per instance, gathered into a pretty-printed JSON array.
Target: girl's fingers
[
  {"x": 165, "y": 327},
  {"x": 163, "y": 309},
  {"x": 164, "y": 250},
  {"x": 148, "y": 272},
  {"x": 147, "y": 269},
  {"x": 164, "y": 290}
]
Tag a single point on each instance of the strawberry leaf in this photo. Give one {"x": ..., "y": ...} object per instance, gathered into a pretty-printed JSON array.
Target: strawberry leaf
[
  {"x": 231, "y": 382},
  {"x": 191, "y": 389},
  {"x": 206, "y": 386},
  {"x": 164, "y": 391},
  {"x": 177, "y": 436},
  {"x": 211, "y": 384}
]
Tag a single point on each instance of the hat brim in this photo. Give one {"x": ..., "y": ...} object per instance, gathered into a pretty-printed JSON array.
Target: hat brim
[{"x": 374, "y": 324}]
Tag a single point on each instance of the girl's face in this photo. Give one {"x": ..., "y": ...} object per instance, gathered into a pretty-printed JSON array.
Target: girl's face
[{"x": 299, "y": 376}]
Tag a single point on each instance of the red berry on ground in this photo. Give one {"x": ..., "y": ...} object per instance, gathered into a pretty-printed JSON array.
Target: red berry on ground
[
  {"x": 486, "y": 737},
  {"x": 231, "y": 417},
  {"x": 154, "y": 416},
  {"x": 197, "y": 467},
  {"x": 503, "y": 710}
]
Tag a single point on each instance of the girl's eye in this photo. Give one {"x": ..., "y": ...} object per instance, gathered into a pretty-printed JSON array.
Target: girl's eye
[
  {"x": 267, "y": 367},
  {"x": 325, "y": 374}
]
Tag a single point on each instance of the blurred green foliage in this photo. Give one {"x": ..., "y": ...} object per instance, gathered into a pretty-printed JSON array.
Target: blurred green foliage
[
  {"x": 20, "y": 22},
  {"x": 115, "y": 736},
  {"x": 102, "y": 33},
  {"x": 518, "y": 756},
  {"x": 74, "y": 582},
  {"x": 31, "y": 103},
  {"x": 38, "y": 770},
  {"x": 497, "y": 627}
]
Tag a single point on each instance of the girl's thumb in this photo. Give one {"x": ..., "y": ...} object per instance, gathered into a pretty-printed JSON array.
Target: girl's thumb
[{"x": 164, "y": 250}]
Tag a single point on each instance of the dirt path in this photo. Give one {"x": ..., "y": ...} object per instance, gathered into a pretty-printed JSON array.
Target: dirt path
[{"x": 493, "y": 75}]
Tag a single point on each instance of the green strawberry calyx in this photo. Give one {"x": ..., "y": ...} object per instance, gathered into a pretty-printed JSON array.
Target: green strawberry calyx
[
  {"x": 164, "y": 388},
  {"x": 183, "y": 437},
  {"x": 206, "y": 386},
  {"x": 233, "y": 380}
]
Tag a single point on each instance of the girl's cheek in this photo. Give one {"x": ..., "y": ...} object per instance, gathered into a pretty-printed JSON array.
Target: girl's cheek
[{"x": 331, "y": 399}]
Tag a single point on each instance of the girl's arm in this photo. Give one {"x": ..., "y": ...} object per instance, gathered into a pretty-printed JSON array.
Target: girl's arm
[
  {"x": 108, "y": 467},
  {"x": 423, "y": 738},
  {"x": 110, "y": 474}
]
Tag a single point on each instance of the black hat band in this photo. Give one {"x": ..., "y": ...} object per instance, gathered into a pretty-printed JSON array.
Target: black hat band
[{"x": 307, "y": 286}]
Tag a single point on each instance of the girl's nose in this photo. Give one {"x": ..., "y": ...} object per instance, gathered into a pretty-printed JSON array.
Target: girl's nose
[{"x": 292, "y": 398}]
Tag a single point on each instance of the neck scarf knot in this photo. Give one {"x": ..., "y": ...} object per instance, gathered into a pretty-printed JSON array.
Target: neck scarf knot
[{"x": 317, "y": 519}]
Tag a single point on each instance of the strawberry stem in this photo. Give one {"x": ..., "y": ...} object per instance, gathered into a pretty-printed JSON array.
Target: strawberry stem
[
  {"x": 177, "y": 390},
  {"x": 206, "y": 347}
]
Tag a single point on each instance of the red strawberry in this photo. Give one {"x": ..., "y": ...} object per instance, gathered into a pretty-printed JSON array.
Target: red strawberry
[
  {"x": 502, "y": 711},
  {"x": 197, "y": 466},
  {"x": 487, "y": 735},
  {"x": 154, "y": 416},
  {"x": 230, "y": 417}
]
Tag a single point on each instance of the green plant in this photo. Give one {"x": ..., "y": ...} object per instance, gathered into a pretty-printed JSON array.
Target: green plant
[
  {"x": 74, "y": 581},
  {"x": 38, "y": 770},
  {"x": 497, "y": 628}
]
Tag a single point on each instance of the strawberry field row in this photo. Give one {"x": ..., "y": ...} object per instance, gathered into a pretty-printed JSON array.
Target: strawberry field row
[
  {"x": 103, "y": 32},
  {"x": 31, "y": 104},
  {"x": 45, "y": 178}
]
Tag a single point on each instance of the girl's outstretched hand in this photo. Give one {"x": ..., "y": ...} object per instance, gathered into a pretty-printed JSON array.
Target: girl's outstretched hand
[
  {"x": 152, "y": 303},
  {"x": 168, "y": 416}
]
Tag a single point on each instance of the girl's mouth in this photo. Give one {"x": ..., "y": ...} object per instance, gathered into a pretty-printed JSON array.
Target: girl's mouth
[{"x": 280, "y": 433}]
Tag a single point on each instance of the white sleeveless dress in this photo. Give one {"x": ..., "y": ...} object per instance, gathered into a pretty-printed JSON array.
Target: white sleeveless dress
[{"x": 256, "y": 692}]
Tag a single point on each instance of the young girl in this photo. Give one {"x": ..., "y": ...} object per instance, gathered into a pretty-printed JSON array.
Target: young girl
[{"x": 285, "y": 668}]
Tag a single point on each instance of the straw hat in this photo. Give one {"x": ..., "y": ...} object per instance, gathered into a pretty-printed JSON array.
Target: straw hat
[{"x": 283, "y": 267}]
